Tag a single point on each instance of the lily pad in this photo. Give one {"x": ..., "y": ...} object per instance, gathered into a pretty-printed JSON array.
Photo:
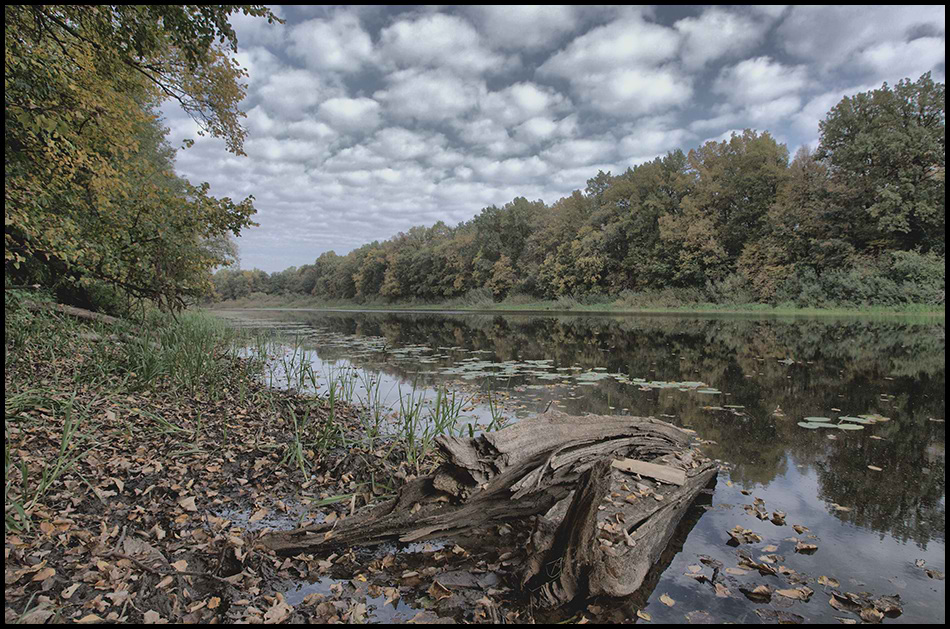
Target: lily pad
[{"x": 817, "y": 419}]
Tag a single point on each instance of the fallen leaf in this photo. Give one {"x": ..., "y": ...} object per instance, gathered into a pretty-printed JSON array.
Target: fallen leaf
[
  {"x": 875, "y": 468},
  {"x": 869, "y": 614},
  {"x": 823, "y": 580},
  {"x": 666, "y": 600},
  {"x": 188, "y": 504},
  {"x": 644, "y": 616},
  {"x": 70, "y": 590},
  {"x": 761, "y": 594},
  {"x": 438, "y": 591},
  {"x": 88, "y": 619},
  {"x": 802, "y": 547},
  {"x": 258, "y": 515}
]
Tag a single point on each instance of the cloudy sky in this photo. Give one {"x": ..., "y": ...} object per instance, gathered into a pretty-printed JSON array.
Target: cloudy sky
[{"x": 366, "y": 120}]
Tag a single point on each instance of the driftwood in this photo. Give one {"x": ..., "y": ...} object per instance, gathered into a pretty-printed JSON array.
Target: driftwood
[
  {"x": 598, "y": 525},
  {"x": 89, "y": 315},
  {"x": 81, "y": 313}
]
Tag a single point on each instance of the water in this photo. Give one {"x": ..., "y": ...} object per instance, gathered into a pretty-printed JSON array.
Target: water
[{"x": 744, "y": 383}]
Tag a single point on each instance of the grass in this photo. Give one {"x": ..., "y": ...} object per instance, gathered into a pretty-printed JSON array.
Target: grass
[{"x": 26, "y": 483}]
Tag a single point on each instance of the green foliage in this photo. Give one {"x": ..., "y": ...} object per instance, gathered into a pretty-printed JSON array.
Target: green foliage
[
  {"x": 887, "y": 152},
  {"x": 90, "y": 190}
]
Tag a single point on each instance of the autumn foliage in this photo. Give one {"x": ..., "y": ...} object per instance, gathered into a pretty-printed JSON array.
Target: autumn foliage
[{"x": 91, "y": 197}]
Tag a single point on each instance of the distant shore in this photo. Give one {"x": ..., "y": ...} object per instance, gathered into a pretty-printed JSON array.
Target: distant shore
[{"x": 562, "y": 306}]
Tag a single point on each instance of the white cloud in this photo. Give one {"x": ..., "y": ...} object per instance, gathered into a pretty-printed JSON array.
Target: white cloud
[
  {"x": 437, "y": 40},
  {"x": 630, "y": 42},
  {"x": 292, "y": 93},
  {"x": 525, "y": 27},
  {"x": 351, "y": 114},
  {"x": 717, "y": 33},
  {"x": 521, "y": 101},
  {"x": 759, "y": 80},
  {"x": 570, "y": 153},
  {"x": 432, "y": 95},
  {"x": 650, "y": 137},
  {"x": 402, "y": 144},
  {"x": 338, "y": 44},
  {"x": 621, "y": 68},
  {"x": 833, "y": 36},
  {"x": 899, "y": 60}
]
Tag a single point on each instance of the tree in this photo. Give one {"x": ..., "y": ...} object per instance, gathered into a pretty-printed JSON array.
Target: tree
[
  {"x": 887, "y": 152},
  {"x": 90, "y": 193},
  {"x": 735, "y": 183}
]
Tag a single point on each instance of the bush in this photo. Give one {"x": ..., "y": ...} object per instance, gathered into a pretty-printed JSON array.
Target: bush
[
  {"x": 732, "y": 290},
  {"x": 895, "y": 278}
]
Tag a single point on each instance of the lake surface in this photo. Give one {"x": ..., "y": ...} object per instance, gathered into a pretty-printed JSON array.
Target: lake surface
[{"x": 745, "y": 384}]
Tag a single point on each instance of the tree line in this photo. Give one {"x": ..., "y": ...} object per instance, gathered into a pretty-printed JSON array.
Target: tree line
[{"x": 861, "y": 220}]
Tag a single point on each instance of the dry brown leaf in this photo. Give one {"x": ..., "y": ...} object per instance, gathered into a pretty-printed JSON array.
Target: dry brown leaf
[
  {"x": 88, "y": 619},
  {"x": 869, "y": 614},
  {"x": 438, "y": 591},
  {"x": 180, "y": 566},
  {"x": 875, "y": 468},
  {"x": 666, "y": 600},
  {"x": 44, "y": 574},
  {"x": 258, "y": 515},
  {"x": 644, "y": 616},
  {"x": 188, "y": 504},
  {"x": 70, "y": 590}
]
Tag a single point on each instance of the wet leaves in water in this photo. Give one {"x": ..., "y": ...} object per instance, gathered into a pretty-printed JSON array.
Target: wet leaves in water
[
  {"x": 744, "y": 536},
  {"x": 761, "y": 594},
  {"x": 802, "y": 547},
  {"x": 800, "y": 594}
]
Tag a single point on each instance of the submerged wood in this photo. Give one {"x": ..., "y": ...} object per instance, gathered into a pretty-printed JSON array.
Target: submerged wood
[{"x": 598, "y": 528}]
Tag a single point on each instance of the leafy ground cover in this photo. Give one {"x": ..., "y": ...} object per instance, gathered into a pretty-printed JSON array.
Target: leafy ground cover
[{"x": 139, "y": 473}]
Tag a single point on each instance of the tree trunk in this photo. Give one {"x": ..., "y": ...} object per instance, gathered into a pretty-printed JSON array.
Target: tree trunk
[{"x": 599, "y": 525}]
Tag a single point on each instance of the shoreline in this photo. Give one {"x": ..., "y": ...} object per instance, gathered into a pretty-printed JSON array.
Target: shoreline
[{"x": 552, "y": 308}]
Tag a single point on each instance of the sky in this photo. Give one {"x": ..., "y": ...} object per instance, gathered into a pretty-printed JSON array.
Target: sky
[{"x": 364, "y": 121}]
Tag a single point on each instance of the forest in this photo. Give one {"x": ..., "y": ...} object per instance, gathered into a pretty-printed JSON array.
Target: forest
[{"x": 859, "y": 221}]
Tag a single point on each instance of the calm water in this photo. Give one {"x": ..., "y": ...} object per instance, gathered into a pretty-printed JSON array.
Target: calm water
[{"x": 743, "y": 383}]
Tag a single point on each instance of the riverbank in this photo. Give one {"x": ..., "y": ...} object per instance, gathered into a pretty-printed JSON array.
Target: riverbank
[
  {"x": 143, "y": 463},
  {"x": 567, "y": 306}
]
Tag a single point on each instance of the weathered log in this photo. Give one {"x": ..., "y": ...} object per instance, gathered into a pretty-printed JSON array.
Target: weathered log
[
  {"x": 558, "y": 468},
  {"x": 73, "y": 311}
]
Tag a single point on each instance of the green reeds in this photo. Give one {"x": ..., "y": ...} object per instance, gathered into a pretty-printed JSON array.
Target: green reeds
[
  {"x": 421, "y": 421},
  {"x": 22, "y": 489}
]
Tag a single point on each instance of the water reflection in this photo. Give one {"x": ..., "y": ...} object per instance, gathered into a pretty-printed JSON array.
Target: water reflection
[{"x": 743, "y": 383}]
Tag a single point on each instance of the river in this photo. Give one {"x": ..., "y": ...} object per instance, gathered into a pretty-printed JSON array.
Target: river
[{"x": 836, "y": 421}]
